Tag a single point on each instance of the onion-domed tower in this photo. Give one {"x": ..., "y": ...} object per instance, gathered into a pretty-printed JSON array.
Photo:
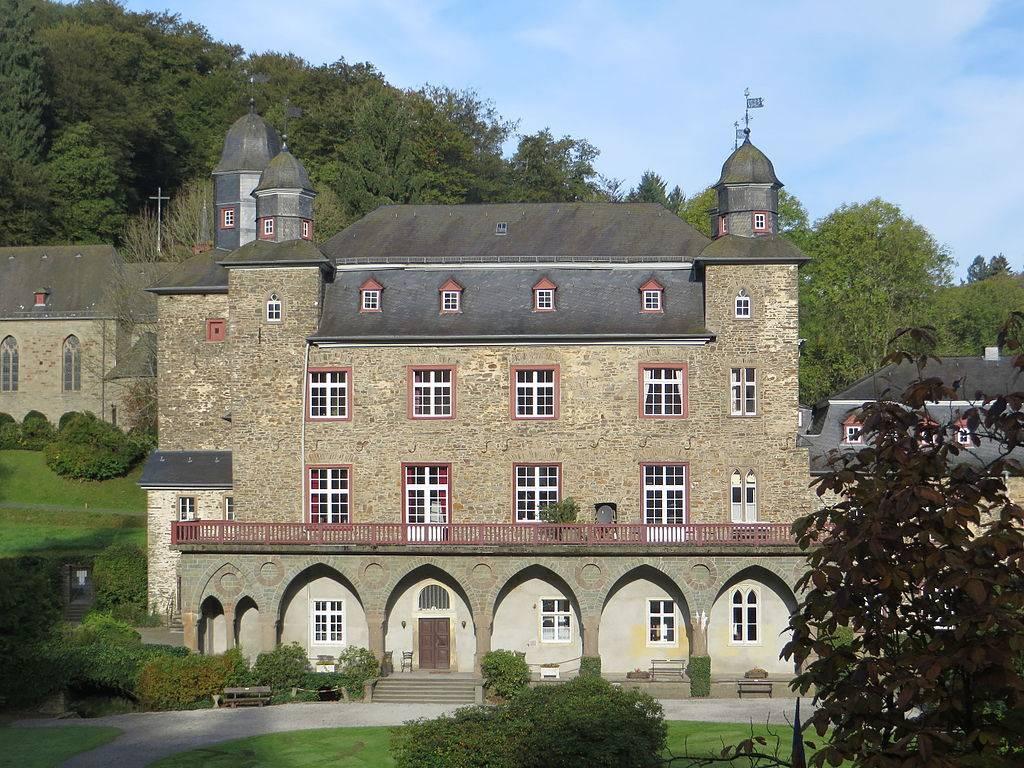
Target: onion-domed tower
[
  {"x": 248, "y": 148},
  {"x": 748, "y": 194}
]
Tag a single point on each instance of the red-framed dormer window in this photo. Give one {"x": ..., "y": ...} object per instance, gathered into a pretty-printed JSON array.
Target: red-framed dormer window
[
  {"x": 853, "y": 430},
  {"x": 761, "y": 221},
  {"x": 307, "y": 229},
  {"x": 371, "y": 296},
  {"x": 451, "y": 297},
  {"x": 652, "y": 296},
  {"x": 544, "y": 296},
  {"x": 40, "y": 298},
  {"x": 265, "y": 228},
  {"x": 227, "y": 218},
  {"x": 723, "y": 227}
]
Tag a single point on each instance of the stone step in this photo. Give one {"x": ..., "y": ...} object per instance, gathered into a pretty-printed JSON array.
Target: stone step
[{"x": 438, "y": 690}]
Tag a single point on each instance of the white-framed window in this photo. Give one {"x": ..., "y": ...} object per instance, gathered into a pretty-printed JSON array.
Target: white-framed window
[
  {"x": 327, "y": 622},
  {"x": 723, "y": 227},
  {"x": 652, "y": 300},
  {"x": 186, "y": 508},
  {"x": 273, "y": 308},
  {"x": 664, "y": 494},
  {"x": 268, "y": 226},
  {"x": 228, "y": 218},
  {"x": 760, "y": 221},
  {"x": 536, "y": 393},
  {"x": 745, "y": 624},
  {"x": 661, "y": 622},
  {"x": 742, "y": 305},
  {"x": 536, "y": 487},
  {"x": 555, "y": 620},
  {"x": 229, "y": 507},
  {"x": 743, "y": 497},
  {"x": 964, "y": 436},
  {"x": 427, "y": 493},
  {"x": 328, "y": 394},
  {"x": 664, "y": 391},
  {"x": 853, "y": 433},
  {"x": 432, "y": 396},
  {"x": 307, "y": 229},
  {"x": 743, "y": 391},
  {"x": 501, "y": 228},
  {"x": 451, "y": 301},
  {"x": 329, "y": 490},
  {"x": 544, "y": 299},
  {"x": 9, "y": 365},
  {"x": 371, "y": 300}
]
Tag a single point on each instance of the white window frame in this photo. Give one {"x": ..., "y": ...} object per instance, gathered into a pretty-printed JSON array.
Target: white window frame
[
  {"x": 658, "y": 619},
  {"x": 658, "y": 494},
  {"x": 534, "y": 489},
  {"x": 501, "y": 228},
  {"x": 964, "y": 436},
  {"x": 743, "y": 391},
  {"x": 370, "y": 300},
  {"x": 307, "y": 229},
  {"x": 544, "y": 299},
  {"x": 425, "y": 393},
  {"x": 436, "y": 495},
  {"x": 228, "y": 218},
  {"x": 763, "y": 226},
  {"x": 530, "y": 390},
  {"x": 853, "y": 434},
  {"x": 268, "y": 225},
  {"x": 742, "y": 628},
  {"x": 556, "y": 612},
  {"x": 187, "y": 509},
  {"x": 658, "y": 390},
  {"x": 274, "y": 308},
  {"x": 327, "y": 617},
  {"x": 652, "y": 300},
  {"x": 743, "y": 496},
  {"x": 333, "y": 493},
  {"x": 451, "y": 301},
  {"x": 328, "y": 394},
  {"x": 229, "y": 508},
  {"x": 743, "y": 306}
]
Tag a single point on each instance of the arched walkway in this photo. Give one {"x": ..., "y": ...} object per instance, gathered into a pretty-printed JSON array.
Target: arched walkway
[
  {"x": 247, "y": 627},
  {"x": 213, "y": 629},
  {"x": 321, "y": 611}
]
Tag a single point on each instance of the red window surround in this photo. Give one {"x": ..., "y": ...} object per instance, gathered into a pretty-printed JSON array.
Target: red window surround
[
  {"x": 265, "y": 228},
  {"x": 307, "y": 229},
  {"x": 854, "y": 422},
  {"x": 451, "y": 286},
  {"x": 543, "y": 285},
  {"x": 307, "y": 488},
  {"x": 349, "y": 393},
  {"x": 652, "y": 285},
  {"x": 216, "y": 329},
  {"x": 227, "y": 217},
  {"x": 512, "y": 392},
  {"x": 40, "y": 298},
  {"x": 643, "y": 502},
  {"x": 641, "y": 367},
  {"x": 723, "y": 227},
  {"x": 407, "y": 465},
  {"x": 515, "y": 494},
  {"x": 761, "y": 221},
  {"x": 410, "y": 375},
  {"x": 371, "y": 285}
]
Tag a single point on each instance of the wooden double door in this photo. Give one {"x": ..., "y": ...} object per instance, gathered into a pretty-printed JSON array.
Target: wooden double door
[{"x": 435, "y": 644}]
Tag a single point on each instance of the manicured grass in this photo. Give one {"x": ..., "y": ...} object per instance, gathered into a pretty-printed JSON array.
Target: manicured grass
[
  {"x": 26, "y": 482},
  {"x": 352, "y": 747},
  {"x": 41, "y": 532},
  {"x": 50, "y": 746}
]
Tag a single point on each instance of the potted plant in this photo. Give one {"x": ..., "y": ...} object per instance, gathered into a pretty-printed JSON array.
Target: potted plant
[
  {"x": 638, "y": 674},
  {"x": 562, "y": 512},
  {"x": 549, "y": 671},
  {"x": 756, "y": 674}
]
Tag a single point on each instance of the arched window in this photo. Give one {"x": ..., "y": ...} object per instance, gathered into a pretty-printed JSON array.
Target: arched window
[
  {"x": 273, "y": 308},
  {"x": 9, "y": 365},
  {"x": 743, "y": 497},
  {"x": 72, "y": 364},
  {"x": 434, "y": 597},
  {"x": 745, "y": 616},
  {"x": 742, "y": 304}
]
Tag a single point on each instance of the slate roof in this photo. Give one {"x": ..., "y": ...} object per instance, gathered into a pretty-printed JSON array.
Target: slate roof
[
  {"x": 497, "y": 304},
  {"x": 200, "y": 274},
  {"x": 187, "y": 469},
  {"x": 249, "y": 145},
  {"x": 284, "y": 172},
  {"x": 571, "y": 232},
  {"x": 748, "y": 165},
  {"x": 267, "y": 252},
  {"x": 87, "y": 281},
  {"x": 138, "y": 362},
  {"x": 764, "y": 249}
]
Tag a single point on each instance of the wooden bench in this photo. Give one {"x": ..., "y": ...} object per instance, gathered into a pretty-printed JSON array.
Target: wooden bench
[
  {"x": 256, "y": 695},
  {"x": 670, "y": 667},
  {"x": 753, "y": 686}
]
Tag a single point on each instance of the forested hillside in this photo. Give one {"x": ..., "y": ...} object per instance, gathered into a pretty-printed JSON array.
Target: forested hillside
[{"x": 100, "y": 106}]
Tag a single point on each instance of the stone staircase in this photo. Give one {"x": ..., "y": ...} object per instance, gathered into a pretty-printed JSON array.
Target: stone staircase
[
  {"x": 75, "y": 611},
  {"x": 434, "y": 689}
]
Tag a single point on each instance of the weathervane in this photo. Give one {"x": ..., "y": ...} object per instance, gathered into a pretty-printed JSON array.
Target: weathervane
[
  {"x": 752, "y": 103},
  {"x": 254, "y": 79}
]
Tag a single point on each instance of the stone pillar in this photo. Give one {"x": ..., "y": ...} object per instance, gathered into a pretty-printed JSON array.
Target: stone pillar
[
  {"x": 375, "y": 625},
  {"x": 483, "y": 626},
  {"x": 190, "y": 626},
  {"x": 229, "y": 627},
  {"x": 699, "y": 622},
  {"x": 591, "y": 625},
  {"x": 268, "y": 632}
]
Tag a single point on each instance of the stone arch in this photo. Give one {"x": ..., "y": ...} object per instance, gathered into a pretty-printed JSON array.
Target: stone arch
[
  {"x": 319, "y": 586},
  {"x": 212, "y": 629},
  {"x": 772, "y": 568},
  {"x": 207, "y": 584},
  {"x": 246, "y": 629}
]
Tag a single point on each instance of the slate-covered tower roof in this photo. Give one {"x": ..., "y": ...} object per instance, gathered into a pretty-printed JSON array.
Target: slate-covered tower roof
[{"x": 284, "y": 200}]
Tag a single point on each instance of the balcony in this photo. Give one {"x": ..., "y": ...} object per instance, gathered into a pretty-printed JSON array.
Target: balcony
[{"x": 200, "y": 532}]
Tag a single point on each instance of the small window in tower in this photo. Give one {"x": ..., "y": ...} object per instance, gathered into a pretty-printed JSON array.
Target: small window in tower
[
  {"x": 268, "y": 227},
  {"x": 501, "y": 228},
  {"x": 760, "y": 221},
  {"x": 40, "y": 298},
  {"x": 227, "y": 218},
  {"x": 307, "y": 229},
  {"x": 723, "y": 229}
]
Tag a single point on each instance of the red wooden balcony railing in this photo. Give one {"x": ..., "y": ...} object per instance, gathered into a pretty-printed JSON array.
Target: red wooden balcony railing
[{"x": 480, "y": 534}]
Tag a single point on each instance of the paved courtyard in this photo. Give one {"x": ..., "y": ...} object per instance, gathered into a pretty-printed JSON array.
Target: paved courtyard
[{"x": 150, "y": 736}]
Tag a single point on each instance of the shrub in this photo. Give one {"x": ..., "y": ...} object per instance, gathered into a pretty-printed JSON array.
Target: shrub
[
  {"x": 565, "y": 511},
  {"x": 473, "y": 737},
  {"x": 6, "y": 418},
  {"x": 180, "y": 682},
  {"x": 590, "y": 666},
  {"x": 282, "y": 668},
  {"x": 699, "y": 672},
  {"x": 505, "y": 673},
  {"x": 119, "y": 574},
  {"x": 104, "y": 627},
  {"x": 36, "y": 431},
  {"x": 356, "y": 666},
  {"x": 66, "y": 418},
  {"x": 30, "y": 611},
  {"x": 10, "y": 435},
  {"x": 89, "y": 448}
]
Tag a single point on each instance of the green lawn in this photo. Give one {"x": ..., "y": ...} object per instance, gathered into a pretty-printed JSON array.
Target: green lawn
[
  {"x": 49, "y": 747},
  {"x": 27, "y": 483},
  {"x": 358, "y": 747},
  {"x": 39, "y": 532}
]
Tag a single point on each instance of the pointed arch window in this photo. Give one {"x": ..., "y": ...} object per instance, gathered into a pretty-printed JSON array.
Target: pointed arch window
[
  {"x": 743, "y": 305},
  {"x": 72, "y": 366},
  {"x": 743, "y": 497},
  {"x": 273, "y": 308},
  {"x": 745, "y": 616},
  {"x": 9, "y": 365}
]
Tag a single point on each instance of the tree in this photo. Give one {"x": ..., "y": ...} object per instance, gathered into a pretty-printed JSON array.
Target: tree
[
  {"x": 675, "y": 200},
  {"x": 696, "y": 210},
  {"x": 919, "y": 554},
  {"x": 24, "y": 202},
  {"x": 978, "y": 269},
  {"x": 546, "y": 169},
  {"x": 998, "y": 265},
  {"x": 22, "y": 96},
  {"x": 651, "y": 189},
  {"x": 86, "y": 199},
  {"x": 981, "y": 270},
  {"x": 967, "y": 317}
]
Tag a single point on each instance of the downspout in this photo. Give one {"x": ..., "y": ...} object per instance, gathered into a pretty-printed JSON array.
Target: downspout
[
  {"x": 302, "y": 435},
  {"x": 103, "y": 374}
]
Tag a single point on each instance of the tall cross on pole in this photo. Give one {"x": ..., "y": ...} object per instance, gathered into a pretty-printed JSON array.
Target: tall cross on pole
[{"x": 159, "y": 197}]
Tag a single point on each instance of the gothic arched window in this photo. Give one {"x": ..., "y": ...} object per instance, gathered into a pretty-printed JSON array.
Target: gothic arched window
[
  {"x": 745, "y": 616},
  {"x": 72, "y": 364},
  {"x": 743, "y": 496},
  {"x": 9, "y": 365}
]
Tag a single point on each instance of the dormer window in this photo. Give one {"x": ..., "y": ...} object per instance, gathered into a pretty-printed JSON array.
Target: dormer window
[
  {"x": 742, "y": 305},
  {"x": 451, "y": 297},
  {"x": 41, "y": 298},
  {"x": 501, "y": 228},
  {"x": 723, "y": 228},
  {"x": 760, "y": 221},
  {"x": 544, "y": 296},
  {"x": 307, "y": 229},
  {"x": 964, "y": 436},
  {"x": 370, "y": 296},
  {"x": 267, "y": 228},
  {"x": 853, "y": 431},
  {"x": 651, "y": 296}
]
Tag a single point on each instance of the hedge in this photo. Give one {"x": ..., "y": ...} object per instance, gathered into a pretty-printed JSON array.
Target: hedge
[
  {"x": 590, "y": 665},
  {"x": 699, "y": 672},
  {"x": 36, "y": 431},
  {"x": 181, "y": 682},
  {"x": 282, "y": 668},
  {"x": 505, "y": 673},
  {"x": 89, "y": 448},
  {"x": 119, "y": 575}
]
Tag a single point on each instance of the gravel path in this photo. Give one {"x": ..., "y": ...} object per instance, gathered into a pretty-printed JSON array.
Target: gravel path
[{"x": 150, "y": 736}]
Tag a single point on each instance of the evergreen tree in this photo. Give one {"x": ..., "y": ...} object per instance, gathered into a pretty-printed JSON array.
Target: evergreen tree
[
  {"x": 978, "y": 269},
  {"x": 22, "y": 96},
  {"x": 87, "y": 204},
  {"x": 676, "y": 198},
  {"x": 998, "y": 265},
  {"x": 651, "y": 189}
]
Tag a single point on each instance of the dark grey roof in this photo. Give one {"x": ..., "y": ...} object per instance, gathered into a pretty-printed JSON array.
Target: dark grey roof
[
  {"x": 497, "y": 304},
  {"x": 748, "y": 165},
  {"x": 139, "y": 362},
  {"x": 973, "y": 374},
  {"x": 249, "y": 145},
  {"x": 764, "y": 249},
  {"x": 284, "y": 172},
  {"x": 268, "y": 253},
  {"x": 187, "y": 469},
  {"x": 200, "y": 274},
  {"x": 612, "y": 232},
  {"x": 80, "y": 281}
]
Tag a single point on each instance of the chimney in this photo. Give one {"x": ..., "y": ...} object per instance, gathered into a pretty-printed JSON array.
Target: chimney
[{"x": 992, "y": 354}]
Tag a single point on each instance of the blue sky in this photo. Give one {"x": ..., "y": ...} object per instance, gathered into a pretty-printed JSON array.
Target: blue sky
[{"x": 921, "y": 103}]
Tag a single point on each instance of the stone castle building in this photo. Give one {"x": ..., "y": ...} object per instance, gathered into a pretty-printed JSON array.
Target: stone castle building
[
  {"x": 357, "y": 441},
  {"x": 77, "y": 330}
]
